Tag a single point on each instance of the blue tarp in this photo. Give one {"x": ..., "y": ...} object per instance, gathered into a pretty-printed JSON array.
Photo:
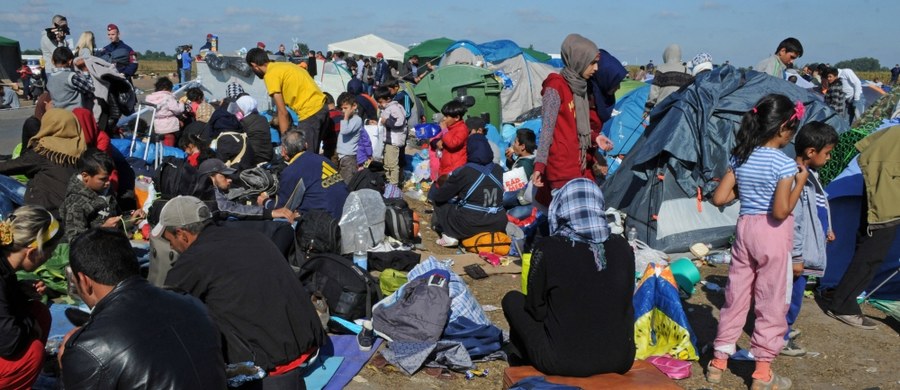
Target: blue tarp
[
  {"x": 494, "y": 51},
  {"x": 625, "y": 129}
]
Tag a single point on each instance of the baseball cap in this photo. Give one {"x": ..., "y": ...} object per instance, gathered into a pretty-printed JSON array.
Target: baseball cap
[
  {"x": 379, "y": 55},
  {"x": 181, "y": 211},
  {"x": 110, "y": 27},
  {"x": 475, "y": 122},
  {"x": 209, "y": 35},
  {"x": 214, "y": 165},
  {"x": 260, "y": 44}
]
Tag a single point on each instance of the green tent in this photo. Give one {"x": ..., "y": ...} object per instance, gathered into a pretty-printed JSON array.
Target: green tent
[
  {"x": 10, "y": 58},
  {"x": 429, "y": 49},
  {"x": 538, "y": 55}
]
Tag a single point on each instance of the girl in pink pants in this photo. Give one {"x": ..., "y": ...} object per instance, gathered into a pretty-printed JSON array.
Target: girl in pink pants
[{"x": 769, "y": 183}]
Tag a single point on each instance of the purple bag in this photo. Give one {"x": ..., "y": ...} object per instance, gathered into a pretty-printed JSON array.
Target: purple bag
[{"x": 673, "y": 368}]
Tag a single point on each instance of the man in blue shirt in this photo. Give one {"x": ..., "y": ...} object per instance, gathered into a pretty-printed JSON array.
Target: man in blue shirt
[
  {"x": 117, "y": 52},
  {"x": 186, "y": 60},
  {"x": 310, "y": 181}
]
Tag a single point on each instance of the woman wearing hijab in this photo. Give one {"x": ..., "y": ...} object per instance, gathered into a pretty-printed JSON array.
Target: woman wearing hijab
[
  {"x": 604, "y": 84},
  {"x": 565, "y": 149},
  {"x": 578, "y": 318},
  {"x": 471, "y": 200},
  {"x": 257, "y": 128},
  {"x": 49, "y": 159},
  {"x": 33, "y": 124}
]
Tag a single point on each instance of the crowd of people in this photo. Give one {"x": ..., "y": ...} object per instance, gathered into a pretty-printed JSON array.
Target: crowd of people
[{"x": 228, "y": 309}]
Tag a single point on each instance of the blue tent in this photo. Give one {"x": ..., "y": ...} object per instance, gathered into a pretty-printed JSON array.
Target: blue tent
[
  {"x": 625, "y": 129},
  {"x": 845, "y": 199}
]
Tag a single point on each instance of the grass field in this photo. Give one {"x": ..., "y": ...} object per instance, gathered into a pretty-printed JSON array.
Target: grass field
[{"x": 156, "y": 67}]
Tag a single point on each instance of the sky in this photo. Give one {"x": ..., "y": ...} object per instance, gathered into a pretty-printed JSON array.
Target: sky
[{"x": 742, "y": 32}]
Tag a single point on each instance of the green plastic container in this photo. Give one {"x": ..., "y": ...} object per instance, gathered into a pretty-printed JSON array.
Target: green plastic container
[{"x": 452, "y": 81}]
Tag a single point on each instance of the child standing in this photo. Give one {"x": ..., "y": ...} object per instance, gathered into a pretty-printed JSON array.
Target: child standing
[
  {"x": 813, "y": 146},
  {"x": 454, "y": 134},
  {"x": 165, "y": 122},
  {"x": 393, "y": 118},
  {"x": 348, "y": 140},
  {"x": 765, "y": 179}
]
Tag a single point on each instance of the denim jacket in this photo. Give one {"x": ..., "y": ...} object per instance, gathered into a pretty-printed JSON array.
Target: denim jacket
[{"x": 809, "y": 235}]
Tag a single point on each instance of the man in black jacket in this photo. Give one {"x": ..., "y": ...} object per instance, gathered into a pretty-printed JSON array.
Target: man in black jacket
[
  {"x": 262, "y": 311},
  {"x": 137, "y": 335}
]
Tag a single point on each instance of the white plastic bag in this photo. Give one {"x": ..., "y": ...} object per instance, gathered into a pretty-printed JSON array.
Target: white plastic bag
[{"x": 644, "y": 255}]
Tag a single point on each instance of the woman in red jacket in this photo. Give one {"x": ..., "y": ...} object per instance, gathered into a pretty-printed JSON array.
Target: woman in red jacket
[{"x": 566, "y": 146}]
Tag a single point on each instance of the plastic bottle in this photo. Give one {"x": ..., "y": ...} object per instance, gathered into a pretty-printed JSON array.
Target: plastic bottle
[
  {"x": 360, "y": 256},
  {"x": 632, "y": 234}
]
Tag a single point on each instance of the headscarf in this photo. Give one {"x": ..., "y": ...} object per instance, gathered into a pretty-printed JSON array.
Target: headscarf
[
  {"x": 233, "y": 90},
  {"x": 40, "y": 106},
  {"x": 700, "y": 63},
  {"x": 577, "y": 213},
  {"x": 478, "y": 150},
  {"x": 577, "y": 53},
  {"x": 60, "y": 139},
  {"x": 609, "y": 74},
  {"x": 247, "y": 104}
]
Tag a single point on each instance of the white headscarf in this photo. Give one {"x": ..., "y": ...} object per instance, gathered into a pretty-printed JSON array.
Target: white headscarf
[{"x": 247, "y": 104}]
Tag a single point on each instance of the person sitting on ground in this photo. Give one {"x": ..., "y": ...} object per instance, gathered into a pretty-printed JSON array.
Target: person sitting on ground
[
  {"x": 27, "y": 238},
  {"x": 89, "y": 200},
  {"x": 256, "y": 126},
  {"x": 70, "y": 88},
  {"x": 470, "y": 200},
  {"x": 165, "y": 119},
  {"x": 813, "y": 145},
  {"x": 8, "y": 98},
  {"x": 477, "y": 125},
  {"x": 219, "y": 177},
  {"x": 309, "y": 181},
  {"x": 138, "y": 335},
  {"x": 197, "y": 150},
  {"x": 578, "y": 274},
  {"x": 393, "y": 118},
  {"x": 263, "y": 314},
  {"x": 49, "y": 159},
  {"x": 787, "y": 51},
  {"x": 201, "y": 109},
  {"x": 520, "y": 155},
  {"x": 348, "y": 140},
  {"x": 669, "y": 77},
  {"x": 452, "y": 142},
  {"x": 33, "y": 124}
]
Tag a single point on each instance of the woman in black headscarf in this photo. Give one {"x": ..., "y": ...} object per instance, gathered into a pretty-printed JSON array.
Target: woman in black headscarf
[{"x": 471, "y": 200}]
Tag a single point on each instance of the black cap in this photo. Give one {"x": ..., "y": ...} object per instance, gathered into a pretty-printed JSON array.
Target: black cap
[{"x": 214, "y": 165}]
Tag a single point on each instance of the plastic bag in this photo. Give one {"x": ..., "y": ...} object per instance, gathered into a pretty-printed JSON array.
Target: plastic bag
[{"x": 644, "y": 255}]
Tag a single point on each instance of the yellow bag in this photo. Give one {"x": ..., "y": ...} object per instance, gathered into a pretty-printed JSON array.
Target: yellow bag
[{"x": 496, "y": 242}]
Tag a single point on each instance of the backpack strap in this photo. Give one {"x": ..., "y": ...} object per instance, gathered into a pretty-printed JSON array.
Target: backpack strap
[{"x": 485, "y": 171}]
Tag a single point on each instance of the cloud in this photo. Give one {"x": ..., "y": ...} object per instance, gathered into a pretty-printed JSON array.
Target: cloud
[
  {"x": 711, "y": 5},
  {"x": 531, "y": 15},
  {"x": 238, "y": 11},
  {"x": 668, "y": 14},
  {"x": 289, "y": 19}
]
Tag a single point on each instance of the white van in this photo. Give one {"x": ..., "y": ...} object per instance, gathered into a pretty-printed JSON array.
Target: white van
[{"x": 33, "y": 61}]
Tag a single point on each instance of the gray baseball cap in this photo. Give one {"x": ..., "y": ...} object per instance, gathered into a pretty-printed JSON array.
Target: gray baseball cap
[{"x": 181, "y": 211}]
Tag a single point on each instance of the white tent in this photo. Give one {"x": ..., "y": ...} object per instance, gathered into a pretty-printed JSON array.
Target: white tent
[{"x": 370, "y": 45}]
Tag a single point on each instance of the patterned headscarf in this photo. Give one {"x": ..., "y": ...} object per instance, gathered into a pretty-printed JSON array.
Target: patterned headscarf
[
  {"x": 577, "y": 213},
  {"x": 577, "y": 53},
  {"x": 233, "y": 90}
]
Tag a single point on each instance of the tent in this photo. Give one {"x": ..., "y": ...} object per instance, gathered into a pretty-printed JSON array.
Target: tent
[
  {"x": 664, "y": 183},
  {"x": 431, "y": 48},
  {"x": 10, "y": 59},
  {"x": 370, "y": 45},
  {"x": 625, "y": 129},
  {"x": 332, "y": 78},
  {"x": 538, "y": 55},
  {"x": 520, "y": 73}
]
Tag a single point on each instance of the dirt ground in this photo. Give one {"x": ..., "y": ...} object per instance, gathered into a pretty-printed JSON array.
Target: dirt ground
[{"x": 840, "y": 357}]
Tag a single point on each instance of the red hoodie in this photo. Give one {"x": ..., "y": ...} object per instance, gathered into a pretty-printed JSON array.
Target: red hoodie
[{"x": 454, "y": 154}]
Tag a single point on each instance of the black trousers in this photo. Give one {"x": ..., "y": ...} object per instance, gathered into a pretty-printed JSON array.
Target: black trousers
[{"x": 870, "y": 253}]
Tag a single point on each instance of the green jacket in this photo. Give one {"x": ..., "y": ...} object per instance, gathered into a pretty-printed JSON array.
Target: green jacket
[{"x": 879, "y": 160}]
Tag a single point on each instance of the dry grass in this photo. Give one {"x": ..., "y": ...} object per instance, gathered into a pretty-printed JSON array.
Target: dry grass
[{"x": 157, "y": 67}]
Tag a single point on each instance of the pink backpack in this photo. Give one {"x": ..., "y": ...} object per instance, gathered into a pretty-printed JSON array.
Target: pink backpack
[{"x": 673, "y": 368}]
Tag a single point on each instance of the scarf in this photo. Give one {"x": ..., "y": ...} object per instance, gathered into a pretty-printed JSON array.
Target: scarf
[
  {"x": 577, "y": 54},
  {"x": 609, "y": 76},
  {"x": 577, "y": 213},
  {"x": 247, "y": 104},
  {"x": 60, "y": 139}
]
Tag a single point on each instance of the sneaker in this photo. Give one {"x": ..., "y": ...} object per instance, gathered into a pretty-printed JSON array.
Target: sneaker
[
  {"x": 792, "y": 349},
  {"x": 855, "y": 320},
  {"x": 366, "y": 337},
  {"x": 776, "y": 383},
  {"x": 794, "y": 333},
  {"x": 447, "y": 241}
]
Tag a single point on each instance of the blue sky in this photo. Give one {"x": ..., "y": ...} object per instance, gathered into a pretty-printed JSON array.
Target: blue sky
[{"x": 742, "y": 32}]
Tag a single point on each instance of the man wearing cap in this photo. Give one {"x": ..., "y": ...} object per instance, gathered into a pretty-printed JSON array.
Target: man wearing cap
[
  {"x": 381, "y": 70},
  {"x": 52, "y": 38},
  {"x": 310, "y": 181},
  {"x": 117, "y": 52},
  {"x": 292, "y": 86},
  {"x": 263, "y": 314},
  {"x": 137, "y": 333},
  {"x": 218, "y": 174},
  {"x": 261, "y": 45}
]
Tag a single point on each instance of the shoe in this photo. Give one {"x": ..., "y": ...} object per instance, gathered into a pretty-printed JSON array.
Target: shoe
[
  {"x": 792, "y": 349},
  {"x": 366, "y": 337},
  {"x": 447, "y": 241},
  {"x": 855, "y": 320},
  {"x": 77, "y": 316},
  {"x": 794, "y": 333},
  {"x": 776, "y": 383},
  {"x": 713, "y": 374}
]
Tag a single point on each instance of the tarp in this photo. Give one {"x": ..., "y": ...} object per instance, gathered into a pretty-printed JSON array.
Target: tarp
[
  {"x": 370, "y": 45},
  {"x": 665, "y": 182},
  {"x": 10, "y": 58},
  {"x": 626, "y": 128},
  {"x": 660, "y": 325},
  {"x": 538, "y": 55},
  {"x": 429, "y": 49}
]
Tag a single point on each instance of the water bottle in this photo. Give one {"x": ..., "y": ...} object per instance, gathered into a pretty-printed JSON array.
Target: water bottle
[
  {"x": 360, "y": 256},
  {"x": 632, "y": 235}
]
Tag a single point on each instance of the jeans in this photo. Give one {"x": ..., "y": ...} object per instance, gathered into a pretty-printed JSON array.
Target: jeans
[
  {"x": 12, "y": 195},
  {"x": 185, "y": 75}
]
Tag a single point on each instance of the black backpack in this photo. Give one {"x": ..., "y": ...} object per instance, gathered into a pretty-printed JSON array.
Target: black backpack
[
  {"x": 370, "y": 178},
  {"x": 175, "y": 176},
  {"x": 318, "y": 232},
  {"x": 349, "y": 290},
  {"x": 399, "y": 220}
]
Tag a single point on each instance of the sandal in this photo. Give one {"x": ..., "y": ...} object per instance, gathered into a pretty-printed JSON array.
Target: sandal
[
  {"x": 714, "y": 374},
  {"x": 776, "y": 383},
  {"x": 447, "y": 242}
]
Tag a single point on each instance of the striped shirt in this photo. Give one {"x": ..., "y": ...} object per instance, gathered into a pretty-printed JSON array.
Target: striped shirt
[{"x": 758, "y": 176}]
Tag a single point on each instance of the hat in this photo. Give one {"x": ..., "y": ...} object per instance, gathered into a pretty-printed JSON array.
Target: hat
[
  {"x": 214, "y": 165},
  {"x": 379, "y": 55},
  {"x": 260, "y": 44},
  {"x": 701, "y": 58},
  {"x": 181, "y": 211},
  {"x": 475, "y": 122},
  {"x": 209, "y": 35},
  {"x": 58, "y": 18},
  {"x": 110, "y": 27}
]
